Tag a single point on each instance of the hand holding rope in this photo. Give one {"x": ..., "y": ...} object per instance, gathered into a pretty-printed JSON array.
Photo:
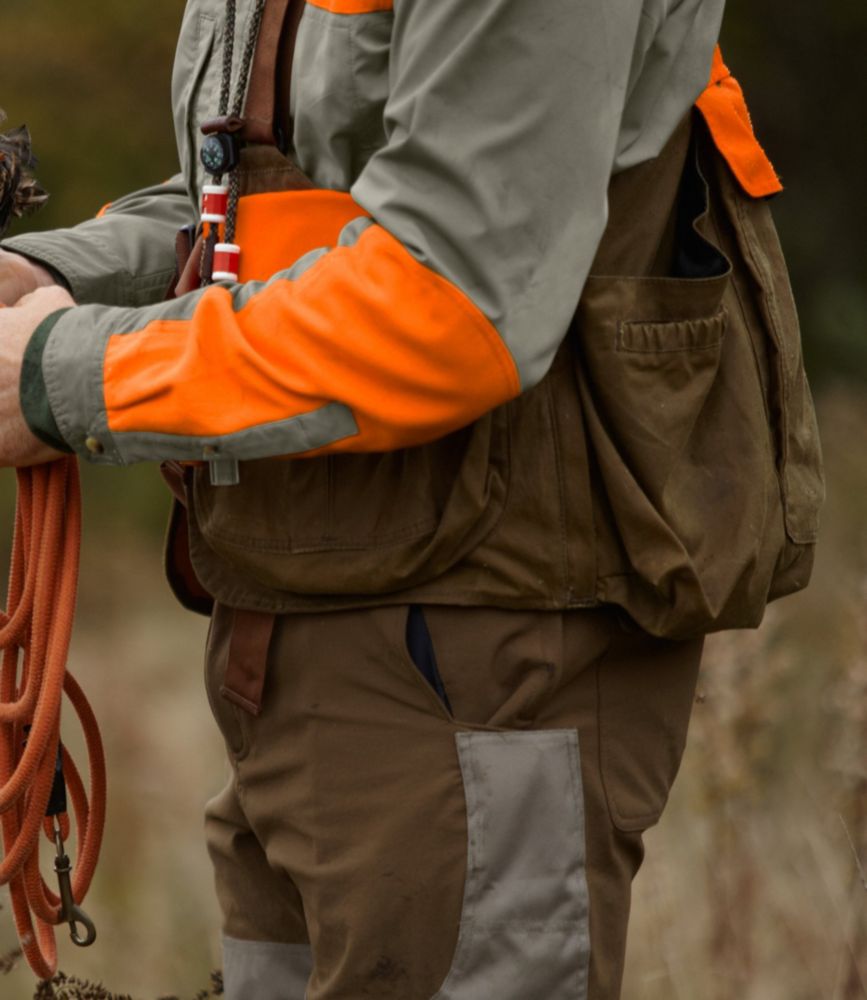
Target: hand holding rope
[{"x": 36, "y": 772}]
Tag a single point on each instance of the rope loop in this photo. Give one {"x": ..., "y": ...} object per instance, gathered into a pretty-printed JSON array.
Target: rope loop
[{"x": 35, "y": 632}]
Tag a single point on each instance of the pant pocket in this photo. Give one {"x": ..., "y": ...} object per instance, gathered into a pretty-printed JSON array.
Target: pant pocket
[
  {"x": 420, "y": 647},
  {"x": 525, "y": 921},
  {"x": 227, "y": 715},
  {"x": 646, "y": 689}
]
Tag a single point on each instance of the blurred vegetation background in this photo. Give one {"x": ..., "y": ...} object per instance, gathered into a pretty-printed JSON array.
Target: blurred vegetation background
[{"x": 754, "y": 886}]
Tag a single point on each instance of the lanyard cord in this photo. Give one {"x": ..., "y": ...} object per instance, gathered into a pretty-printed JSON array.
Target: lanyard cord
[
  {"x": 228, "y": 55},
  {"x": 246, "y": 58},
  {"x": 237, "y": 107}
]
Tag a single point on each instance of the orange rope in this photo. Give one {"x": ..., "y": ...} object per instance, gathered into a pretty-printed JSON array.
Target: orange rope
[{"x": 34, "y": 636}]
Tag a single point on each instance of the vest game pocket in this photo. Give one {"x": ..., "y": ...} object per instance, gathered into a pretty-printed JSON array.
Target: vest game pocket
[{"x": 700, "y": 436}]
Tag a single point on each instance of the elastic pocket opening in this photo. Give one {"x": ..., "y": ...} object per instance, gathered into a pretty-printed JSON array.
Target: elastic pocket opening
[
  {"x": 420, "y": 647},
  {"x": 695, "y": 256}
]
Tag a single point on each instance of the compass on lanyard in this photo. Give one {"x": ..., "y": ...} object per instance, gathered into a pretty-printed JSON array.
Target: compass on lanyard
[{"x": 221, "y": 153}]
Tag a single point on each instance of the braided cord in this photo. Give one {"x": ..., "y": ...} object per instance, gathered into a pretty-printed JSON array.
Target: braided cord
[
  {"x": 228, "y": 56},
  {"x": 247, "y": 58},
  {"x": 232, "y": 210},
  {"x": 237, "y": 109}
]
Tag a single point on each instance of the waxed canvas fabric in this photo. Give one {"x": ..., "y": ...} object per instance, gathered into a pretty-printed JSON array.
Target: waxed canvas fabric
[
  {"x": 668, "y": 463},
  {"x": 420, "y": 850}
]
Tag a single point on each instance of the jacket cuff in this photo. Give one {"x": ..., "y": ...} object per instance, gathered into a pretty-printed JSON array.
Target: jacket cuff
[
  {"x": 72, "y": 369},
  {"x": 33, "y": 393}
]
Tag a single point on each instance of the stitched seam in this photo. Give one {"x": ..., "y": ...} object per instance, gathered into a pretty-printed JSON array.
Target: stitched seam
[
  {"x": 561, "y": 491},
  {"x": 408, "y": 533}
]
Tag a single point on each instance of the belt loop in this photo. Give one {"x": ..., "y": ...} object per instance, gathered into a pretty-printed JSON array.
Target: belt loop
[{"x": 248, "y": 658}]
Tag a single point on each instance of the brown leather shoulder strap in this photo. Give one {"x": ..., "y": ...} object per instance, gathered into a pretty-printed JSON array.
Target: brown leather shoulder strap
[{"x": 271, "y": 70}]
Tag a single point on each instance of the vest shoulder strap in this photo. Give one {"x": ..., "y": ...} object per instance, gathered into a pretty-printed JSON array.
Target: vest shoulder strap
[{"x": 271, "y": 72}]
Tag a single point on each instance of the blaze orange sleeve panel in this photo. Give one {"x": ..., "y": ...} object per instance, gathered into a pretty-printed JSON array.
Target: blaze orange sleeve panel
[
  {"x": 725, "y": 110},
  {"x": 367, "y": 326},
  {"x": 352, "y": 6}
]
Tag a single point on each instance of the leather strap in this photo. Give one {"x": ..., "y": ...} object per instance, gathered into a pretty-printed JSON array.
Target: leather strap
[
  {"x": 271, "y": 72},
  {"x": 181, "y": 573},
  {"x": 266, "y": 112},
  {"x": 248, "y": 659}
]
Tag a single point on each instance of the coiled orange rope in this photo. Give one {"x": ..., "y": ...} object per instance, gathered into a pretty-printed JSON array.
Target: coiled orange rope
[{"x": 35, "y": 632}]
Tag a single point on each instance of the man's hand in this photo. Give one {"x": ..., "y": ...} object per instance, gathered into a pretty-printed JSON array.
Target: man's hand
[
  {"x": 20, "y": 276},
  {"x": 18, "y": 446}
]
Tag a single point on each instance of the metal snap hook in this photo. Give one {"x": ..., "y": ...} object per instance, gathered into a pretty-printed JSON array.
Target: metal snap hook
[{"x": 70, "y": 912}]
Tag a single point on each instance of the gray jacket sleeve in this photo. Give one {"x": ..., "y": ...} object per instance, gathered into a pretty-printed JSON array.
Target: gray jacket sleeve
[
  {"x": 126, "y": 256},
  {"x": 503, "y": 123}
]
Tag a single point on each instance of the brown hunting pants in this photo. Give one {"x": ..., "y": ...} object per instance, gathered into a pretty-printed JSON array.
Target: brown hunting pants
[{"x": 437, "y": 804}]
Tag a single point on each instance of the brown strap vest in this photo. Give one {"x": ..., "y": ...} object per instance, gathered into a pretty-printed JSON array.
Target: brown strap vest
[{"x": 668, "y": 463}]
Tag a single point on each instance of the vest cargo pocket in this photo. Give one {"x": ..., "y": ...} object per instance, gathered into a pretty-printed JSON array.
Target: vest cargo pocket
[
  {"x": 354, "y": 523},
  {"x": 678, "y": 430}
]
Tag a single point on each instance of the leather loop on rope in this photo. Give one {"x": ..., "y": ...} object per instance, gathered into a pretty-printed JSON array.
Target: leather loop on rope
[{"x": 180, "y": 571}]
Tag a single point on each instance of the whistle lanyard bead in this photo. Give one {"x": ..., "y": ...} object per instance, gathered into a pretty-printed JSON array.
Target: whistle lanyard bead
[
  {"x": 220, "y": 156},
  {"x": 215, "y": 203},
  {"x": 227, "y": 262}
]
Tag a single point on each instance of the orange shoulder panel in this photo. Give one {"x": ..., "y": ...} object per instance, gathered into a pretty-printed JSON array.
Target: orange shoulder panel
[
  {"x": 278, "y": 228},
  {"x": 352, "y": 6},
  {"x": 724, "y": 108}
]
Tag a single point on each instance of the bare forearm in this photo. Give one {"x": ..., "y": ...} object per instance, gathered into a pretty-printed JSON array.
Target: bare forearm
[{"x": 19, "y": 276}]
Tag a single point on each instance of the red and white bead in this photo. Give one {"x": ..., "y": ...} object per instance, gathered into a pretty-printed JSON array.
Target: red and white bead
[
  {"x": 215, "y": 203},
  {"x": 227, "y": 262}
]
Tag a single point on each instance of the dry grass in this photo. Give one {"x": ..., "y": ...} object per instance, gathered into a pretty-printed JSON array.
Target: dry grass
[{"x": 751, "y": 890}]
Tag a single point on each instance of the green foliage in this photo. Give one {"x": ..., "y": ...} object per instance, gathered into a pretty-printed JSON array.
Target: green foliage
[
  {"x": 802, "y": 69},
  {"x": 92, "y": 80}
]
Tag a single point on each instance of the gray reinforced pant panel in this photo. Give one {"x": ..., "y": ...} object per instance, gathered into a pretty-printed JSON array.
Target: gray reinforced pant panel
[
  {"x": 525, "y": 923},
  {"x": 265, "y": 970}
]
